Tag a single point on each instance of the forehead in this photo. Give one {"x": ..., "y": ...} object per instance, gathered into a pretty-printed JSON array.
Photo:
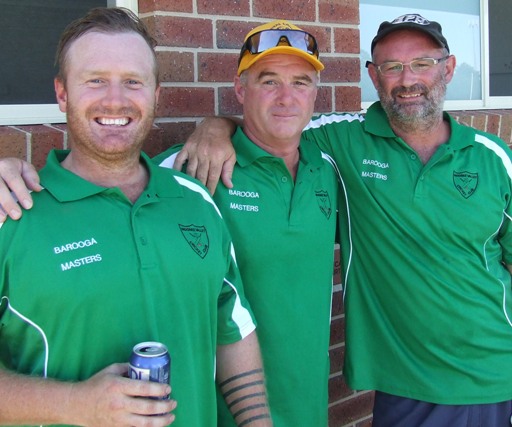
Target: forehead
[
  {"x": 407, "y": 42},
  {"x": 113, "y": 51},
  {"x": 282, "y": 64}
]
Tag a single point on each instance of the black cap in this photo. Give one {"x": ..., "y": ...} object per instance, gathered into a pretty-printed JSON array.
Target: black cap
[{"x": 412, "y": 22}]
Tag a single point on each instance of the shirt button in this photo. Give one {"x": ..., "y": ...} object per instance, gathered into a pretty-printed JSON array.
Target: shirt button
[
  {"x": 413, "y": 156},
  {"x": 284, "y": 179}
]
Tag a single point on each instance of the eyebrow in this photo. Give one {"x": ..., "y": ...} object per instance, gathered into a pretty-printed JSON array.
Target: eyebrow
[{"x": 264, "y": 74}]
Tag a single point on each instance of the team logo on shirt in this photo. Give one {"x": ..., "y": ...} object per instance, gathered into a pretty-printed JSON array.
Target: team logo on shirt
[
  {"x": 197, "y": 237},
  {"x": 465, "y": 183},
  {"x": 324, "y": 202}
]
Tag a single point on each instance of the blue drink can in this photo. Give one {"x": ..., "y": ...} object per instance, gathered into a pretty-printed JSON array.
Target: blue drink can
[{"x": 150, "y": 361}]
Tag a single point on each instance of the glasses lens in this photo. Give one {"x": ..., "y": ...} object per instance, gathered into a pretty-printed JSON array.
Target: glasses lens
[
  {"x": 260, "y": 42},
  {"x": 391, "y": 68},
  {"x": 422, "y": 65}
]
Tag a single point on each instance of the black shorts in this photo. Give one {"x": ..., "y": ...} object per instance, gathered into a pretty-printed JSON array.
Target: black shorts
[{"x": 395, "y": 411}]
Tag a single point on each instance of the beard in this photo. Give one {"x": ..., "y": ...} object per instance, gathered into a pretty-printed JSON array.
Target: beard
[
  {"x": 108, "y": 145},
  {"x": 419, "y": 116}
]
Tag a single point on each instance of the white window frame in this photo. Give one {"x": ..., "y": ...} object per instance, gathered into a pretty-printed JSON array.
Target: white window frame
[
  {"x": 31, "y": 114},
  {"x": 487, "y": 101}
]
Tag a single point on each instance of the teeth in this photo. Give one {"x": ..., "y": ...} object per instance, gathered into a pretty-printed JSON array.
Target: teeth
[
  {"x": 410, "y": 96},
  {"x": 113, "y": 122}
]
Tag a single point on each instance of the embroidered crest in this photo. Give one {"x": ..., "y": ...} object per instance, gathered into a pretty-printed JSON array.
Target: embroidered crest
[
  {"x": 324, "y": 202},
  {"x": 197, "y": 238},
  {"x": 465, "y": 182}
]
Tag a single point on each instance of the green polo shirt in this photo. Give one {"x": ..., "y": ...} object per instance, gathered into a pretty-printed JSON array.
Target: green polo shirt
[
  {"x": 283, "y": 233},
  {"x": 86, "y": 275},
  {"x": 428, "y": 299}
]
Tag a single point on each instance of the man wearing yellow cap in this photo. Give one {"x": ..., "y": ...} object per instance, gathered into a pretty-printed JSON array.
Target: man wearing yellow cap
[{"x": 282, "y": 217}]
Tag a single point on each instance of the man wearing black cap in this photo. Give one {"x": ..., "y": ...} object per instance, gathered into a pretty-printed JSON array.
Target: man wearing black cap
[{"x": 426, "y": 242}]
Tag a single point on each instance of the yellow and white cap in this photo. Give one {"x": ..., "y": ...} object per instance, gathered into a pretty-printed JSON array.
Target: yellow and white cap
[{"x": 278, "y": 37}]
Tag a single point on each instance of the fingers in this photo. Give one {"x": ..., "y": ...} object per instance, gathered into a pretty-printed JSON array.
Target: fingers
[
  {"x": 227, "y": 171},
  {"x": 18, "y": 177},
  {"x": 30, "y": 176},
  {"x": 180, "y": 160}
]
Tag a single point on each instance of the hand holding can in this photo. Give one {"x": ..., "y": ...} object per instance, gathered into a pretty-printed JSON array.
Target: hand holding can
[{"x": 150, "y": 361}]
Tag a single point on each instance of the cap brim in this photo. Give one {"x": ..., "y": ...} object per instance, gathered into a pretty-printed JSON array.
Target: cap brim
[{"x": 249, "y": 59}]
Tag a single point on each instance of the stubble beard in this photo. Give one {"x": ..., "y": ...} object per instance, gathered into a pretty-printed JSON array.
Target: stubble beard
[
  {"x": 83, "y": 138},
  {"x": 421, "y": 116}
]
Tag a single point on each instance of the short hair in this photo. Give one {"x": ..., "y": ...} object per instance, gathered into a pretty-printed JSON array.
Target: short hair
[{"x": 109, "y": 20}]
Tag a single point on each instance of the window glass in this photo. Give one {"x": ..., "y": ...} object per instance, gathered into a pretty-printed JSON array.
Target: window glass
[
  {"x": 461, "y": 27},
  {"x": 500, "y": 55},
  {"x": 30, "y": 32}
]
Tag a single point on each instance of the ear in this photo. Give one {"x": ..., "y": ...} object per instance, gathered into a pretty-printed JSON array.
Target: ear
[
  {"x": 451, "y": 63},
  {"x": 60, "y": 93},
  {"x": 239, "y": 90},
  {"x": 373, "y": 73}
]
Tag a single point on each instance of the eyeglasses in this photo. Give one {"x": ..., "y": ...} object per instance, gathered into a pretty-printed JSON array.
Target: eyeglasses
[
  {"x": 267, "y": 39},
  {"x": 417, "y": 66}
]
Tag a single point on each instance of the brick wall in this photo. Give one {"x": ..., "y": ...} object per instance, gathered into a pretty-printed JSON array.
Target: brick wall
[{"x": 198, "y": 43}]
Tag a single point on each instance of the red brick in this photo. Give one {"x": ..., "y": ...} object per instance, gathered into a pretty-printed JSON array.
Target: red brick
[
  {"x": 165, "y": 5},
  {"x": 228, "y": 103},
  {"x": 348, "y": 99},
  {"x": 231, "y": 34},
  {"x": 346, "y": 40},
  {"x": 305, "y": 9},
  {"x": 13, "y": 143},
  {"x": 323, "y": 103},
  {"x": 479, "y": 120},
  {"x": 217, "y": 67},
  {"x": 341, "y": 70},
  {"x": 181, "y": 31},
  {"x": 337, "y": 303},
  {"x": 183, "y": 102},
  {"x": 339, "y": 11},
  {"x": 337, "y": 266},
  {"x": 357, "y": 409},
  {"x": 153, "y": 143},
  {"x": 365, "y": 423},
  {"x": 43, "y": 139},
  {"x": 337, "y": 331},
  {"x": 220, "y": 7},
  {"x": 338, "y": 389},
  {"x": 493, "y": 123},
  {"x": 176, "y": 66},
  {"x": 336, "y": 357},
  {"x": 175, "y": 133},
  {"x": 506, "y": 126}
]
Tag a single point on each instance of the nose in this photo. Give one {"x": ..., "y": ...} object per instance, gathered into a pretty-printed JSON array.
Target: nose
[
  {"x": 285, "y": 94},
  {"x": 114, "y": 95},
  {"x": 407, "y": 76}
]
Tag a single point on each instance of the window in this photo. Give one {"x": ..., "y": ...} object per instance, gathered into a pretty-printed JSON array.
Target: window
[
  {"x": 475, "y": 30},
  {"x": 30, "y": 32}
]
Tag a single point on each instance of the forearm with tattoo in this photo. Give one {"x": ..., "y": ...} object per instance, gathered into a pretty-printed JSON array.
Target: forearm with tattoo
[{"x": 246, "y": 398}]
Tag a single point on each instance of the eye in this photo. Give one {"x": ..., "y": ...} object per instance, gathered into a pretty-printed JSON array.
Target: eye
[
  {"x": 391, "y": 67},
  {"x": 422, "y": 64}
]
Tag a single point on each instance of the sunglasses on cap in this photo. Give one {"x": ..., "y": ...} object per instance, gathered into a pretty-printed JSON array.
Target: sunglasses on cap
[{"x": 268, "y": 39}]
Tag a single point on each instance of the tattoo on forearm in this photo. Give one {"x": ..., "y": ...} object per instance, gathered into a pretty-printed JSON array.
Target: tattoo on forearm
[{"x": 246, "y": 397}]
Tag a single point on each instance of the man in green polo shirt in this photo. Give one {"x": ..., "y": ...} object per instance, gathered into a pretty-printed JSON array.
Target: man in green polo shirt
[
  {"x": 426, "y": 242},
  {"x": 282, "y": 216},
  {"x": 117, "y": 251}
]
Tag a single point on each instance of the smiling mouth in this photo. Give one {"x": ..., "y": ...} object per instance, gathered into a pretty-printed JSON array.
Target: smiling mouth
[
  {"x": 410, "y": 95},
  {"x": 122, "y": 121}
]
